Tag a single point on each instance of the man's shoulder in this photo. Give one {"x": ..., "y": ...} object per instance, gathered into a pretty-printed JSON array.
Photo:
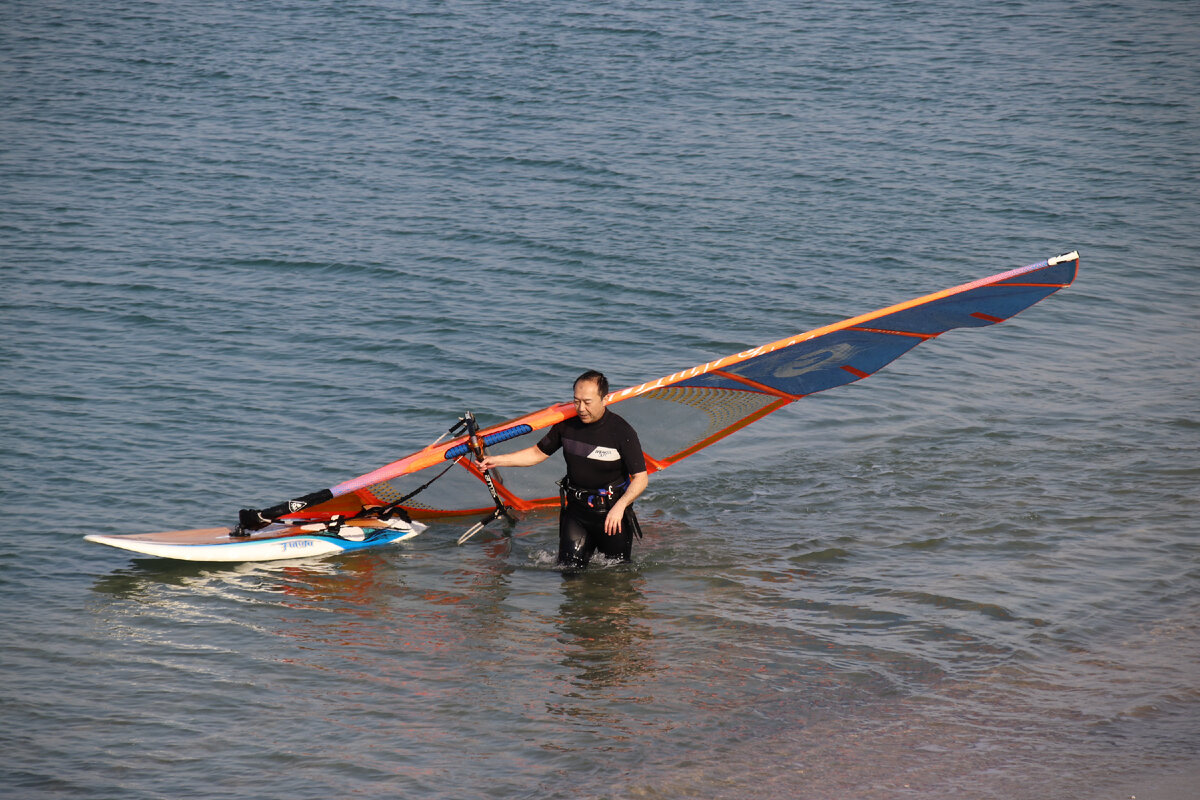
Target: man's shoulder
[
  {"x": 608, "y": 425},
  {"x": 617, "y": 420},
  {"x": 618, "y": 426}
]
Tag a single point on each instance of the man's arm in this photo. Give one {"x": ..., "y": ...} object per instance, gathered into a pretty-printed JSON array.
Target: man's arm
[
  {"x": 528, "y": 457},
  {"x": 637, "y": 484}
]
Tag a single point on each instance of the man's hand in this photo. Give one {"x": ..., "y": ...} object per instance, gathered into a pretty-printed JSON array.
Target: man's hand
[
  {"x": 613, "y": 520},
  {"x": 616, "y": 514}
]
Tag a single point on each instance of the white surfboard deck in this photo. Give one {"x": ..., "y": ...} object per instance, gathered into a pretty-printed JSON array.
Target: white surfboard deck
[{"x": 273, "y": 543}]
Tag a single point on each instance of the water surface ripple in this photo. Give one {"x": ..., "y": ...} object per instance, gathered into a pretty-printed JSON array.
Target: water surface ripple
[{"x": 249, "y": 250}]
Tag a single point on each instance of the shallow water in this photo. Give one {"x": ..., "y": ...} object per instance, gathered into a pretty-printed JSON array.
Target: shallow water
[{"x": 252, "y": 250}]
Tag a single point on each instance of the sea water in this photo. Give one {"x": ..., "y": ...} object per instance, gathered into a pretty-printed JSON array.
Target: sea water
[{"x": 249, "y": 250}]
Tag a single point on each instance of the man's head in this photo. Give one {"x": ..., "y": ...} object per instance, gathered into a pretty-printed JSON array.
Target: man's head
[{"x": 590, "y": 389}]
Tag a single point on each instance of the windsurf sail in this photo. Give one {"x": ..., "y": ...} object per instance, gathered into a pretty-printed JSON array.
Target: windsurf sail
[{"x": 682, "y": 413}]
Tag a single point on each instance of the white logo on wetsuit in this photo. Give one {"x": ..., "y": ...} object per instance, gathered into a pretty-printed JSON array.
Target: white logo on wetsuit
[{"x": 605, "y": 454}]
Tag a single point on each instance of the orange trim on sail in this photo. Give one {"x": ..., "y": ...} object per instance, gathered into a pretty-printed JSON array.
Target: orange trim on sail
[
  {"x": 721, "y": 434},
  {"x": 760, "y": 387},
  {"x": 654, "y": 464}
]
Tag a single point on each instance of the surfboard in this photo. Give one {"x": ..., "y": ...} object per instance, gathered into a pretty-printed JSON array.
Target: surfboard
[{"x": 272, "y": 543}]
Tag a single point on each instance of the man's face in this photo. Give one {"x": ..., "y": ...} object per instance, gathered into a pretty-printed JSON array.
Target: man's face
[{"x": 589, "y": 405}]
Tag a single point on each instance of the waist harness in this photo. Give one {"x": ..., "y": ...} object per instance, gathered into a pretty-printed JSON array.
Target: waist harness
[{"x": 601, "y": 499}]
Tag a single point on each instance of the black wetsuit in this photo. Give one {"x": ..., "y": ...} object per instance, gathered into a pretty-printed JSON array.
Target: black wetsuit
[{"x": 604, "y": 453}]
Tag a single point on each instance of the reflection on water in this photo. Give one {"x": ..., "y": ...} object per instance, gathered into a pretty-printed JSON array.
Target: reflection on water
[
  {"x": 821, "y": 682},
  {"x": 816, "y": 672},
  {"x": 603, "y": 630},
  {"x": 313, "y": 580},
  {"x": 145, "y": 575}
]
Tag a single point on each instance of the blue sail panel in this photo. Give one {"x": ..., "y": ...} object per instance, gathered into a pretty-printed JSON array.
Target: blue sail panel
[
  {"x": 973, "y": 308},
  {"x": 825, "y": 361}
]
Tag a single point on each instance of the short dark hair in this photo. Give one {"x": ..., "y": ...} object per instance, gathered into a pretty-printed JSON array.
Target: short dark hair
[{"x": 598, "y": 377}]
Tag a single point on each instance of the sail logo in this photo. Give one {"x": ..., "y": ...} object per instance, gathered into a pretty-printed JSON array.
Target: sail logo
[
  {"x": 810, "y": 362},
  {"x": 604, "y": 454}
]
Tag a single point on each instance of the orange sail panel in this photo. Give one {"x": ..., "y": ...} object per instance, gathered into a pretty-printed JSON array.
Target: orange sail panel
[{"x": 680, "y": 414}]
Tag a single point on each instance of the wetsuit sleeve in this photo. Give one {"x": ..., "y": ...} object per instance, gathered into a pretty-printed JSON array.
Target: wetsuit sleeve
[
  {"x": 632, "y": 457},
  {"x": 552, "y": 440}
]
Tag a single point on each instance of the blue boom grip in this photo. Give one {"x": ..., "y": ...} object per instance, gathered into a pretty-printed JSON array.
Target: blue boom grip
[{"x": 489, "y": 440}]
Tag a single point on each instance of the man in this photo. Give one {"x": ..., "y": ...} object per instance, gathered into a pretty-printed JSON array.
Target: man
[{"x": 606, "y": 472}]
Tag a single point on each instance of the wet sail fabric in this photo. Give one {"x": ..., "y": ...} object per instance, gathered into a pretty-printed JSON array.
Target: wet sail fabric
[{"x": 682, "y": 413}]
